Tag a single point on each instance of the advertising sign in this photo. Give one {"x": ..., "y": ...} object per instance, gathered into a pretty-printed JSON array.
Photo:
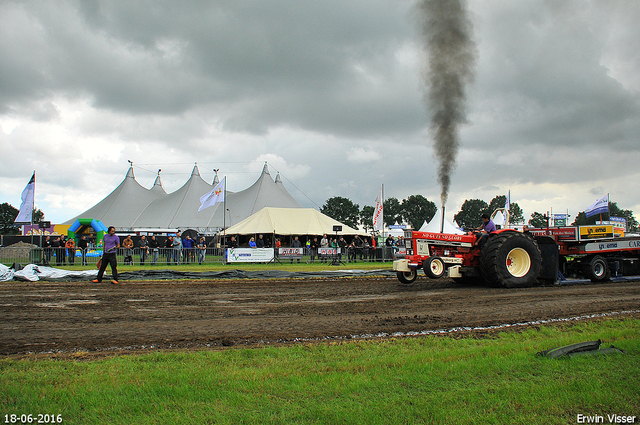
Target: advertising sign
[
  {"x": 612, "y": 246},
  {"x": 325, "y": 252},
  {"x": 291, "y": 253},
  {"x": 598, "y": 231},
  {"x": 561, "y": 233},
  {"x": 616, "y": 222},
  {"x": 250, "y": 255}
]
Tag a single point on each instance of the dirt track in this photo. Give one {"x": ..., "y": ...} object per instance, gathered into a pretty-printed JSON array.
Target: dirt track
[{"x": 70, "y": 317}]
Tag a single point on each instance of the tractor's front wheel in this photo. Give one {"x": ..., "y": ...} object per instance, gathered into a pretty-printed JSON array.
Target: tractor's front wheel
[
  {"x": 510, "y": 259},
  {"x": 434, "y": 267},
  {"x": 408, "y": 277}
]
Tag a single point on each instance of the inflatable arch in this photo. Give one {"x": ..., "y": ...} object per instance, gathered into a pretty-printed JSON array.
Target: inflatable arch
[{"x": 82, "y": 223}]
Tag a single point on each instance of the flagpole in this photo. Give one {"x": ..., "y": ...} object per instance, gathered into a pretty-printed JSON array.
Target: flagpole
[
  {"x": 382, "y": 202},
  {"x": 224, "y": 214},
  {"x": 33, "y": 205}
]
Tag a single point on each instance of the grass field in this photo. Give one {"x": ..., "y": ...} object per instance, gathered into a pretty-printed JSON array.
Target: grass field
[{"x": 496, "y": 379}]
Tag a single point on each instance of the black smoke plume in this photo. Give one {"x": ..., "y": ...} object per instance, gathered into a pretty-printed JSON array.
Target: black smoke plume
[{"x": 448, "y": 40}]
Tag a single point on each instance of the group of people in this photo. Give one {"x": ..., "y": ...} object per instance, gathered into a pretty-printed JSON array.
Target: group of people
[
  {"x": 64, "y": 248},
  {"x": 185, "y": 250}
]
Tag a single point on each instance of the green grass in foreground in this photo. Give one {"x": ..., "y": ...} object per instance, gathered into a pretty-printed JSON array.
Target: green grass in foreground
[{"x": 411, "y": 380}]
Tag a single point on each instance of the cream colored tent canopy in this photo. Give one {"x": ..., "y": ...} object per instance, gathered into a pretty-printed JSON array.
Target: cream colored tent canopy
[{"x": 290, "y": 221}]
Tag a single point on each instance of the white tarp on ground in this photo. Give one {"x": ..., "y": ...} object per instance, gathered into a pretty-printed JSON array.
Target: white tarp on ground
[
  {"x": 290, "y": 221},
  {"x": 33, "y": 273},
  {"x": 436, "y": 223}
]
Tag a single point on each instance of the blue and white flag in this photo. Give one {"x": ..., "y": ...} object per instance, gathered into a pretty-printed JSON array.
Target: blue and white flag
[
  {"x": 26, "y": 207},
  {"x": 601, "y": 206},
  {"x": 216, "y": 195}
]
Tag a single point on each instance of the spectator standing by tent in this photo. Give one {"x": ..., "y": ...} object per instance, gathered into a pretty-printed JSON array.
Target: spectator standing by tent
[
  {"x": 127, "y": 244},
  {"x": 187, "y": 245},
  {"x": 252, "y": 242},
  {"x": 365, "y": 249},
  {"x": 324, "y": 243},
  {"x": 168, "y": 247},
  {"x": 83, "y": 244},
  {"x": 295, "y": 243},
  {"x": 260, "y": 242},
  {"x": 154, "y": 246},
  {"x": 47, "y": 250},
  {"x": 233, "y": 243},
  {"x": 202, "y": 249},
  {"x": 63, "y": 250},
  {"x": 111, "y": 244},
  {"x": 55, "y": 246},
  {"x": 389, "y": 246},
  {"x": 358, "y": 243},
  {"x": 342, "y": 245},
  {"x": 372, "y": 252},
  {"x": 313, "y": 249},
  {"x": 177, "y": 248},
  {"x": 144, "y": 249},
  {"x": 71, "y": 250},
  {"x": 351, "y": 252}
]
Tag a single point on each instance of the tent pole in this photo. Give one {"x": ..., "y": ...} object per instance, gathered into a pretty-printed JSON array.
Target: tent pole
[{"x": 224, "y": 218}]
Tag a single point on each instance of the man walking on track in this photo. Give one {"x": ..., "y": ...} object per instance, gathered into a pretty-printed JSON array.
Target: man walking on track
[{"x": 111, "y": 243}]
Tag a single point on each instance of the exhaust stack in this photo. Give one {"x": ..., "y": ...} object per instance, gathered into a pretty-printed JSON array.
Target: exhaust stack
[{"x": 442, "y": 222}]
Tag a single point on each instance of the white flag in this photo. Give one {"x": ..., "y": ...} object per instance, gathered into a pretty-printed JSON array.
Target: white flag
[
  {"x": 26, "y": 207},
  {"x": 216, "y": 195},
  {"x": 378, "y": 216}
]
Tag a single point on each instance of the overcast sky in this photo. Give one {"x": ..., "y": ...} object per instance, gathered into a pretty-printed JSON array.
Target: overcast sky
[{"x": 330, "y": 93}]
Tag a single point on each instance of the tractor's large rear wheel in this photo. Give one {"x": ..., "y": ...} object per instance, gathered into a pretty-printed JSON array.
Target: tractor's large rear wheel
[
  {"x": 408, "y": 277},
  {"x": 510, "y": 259}
]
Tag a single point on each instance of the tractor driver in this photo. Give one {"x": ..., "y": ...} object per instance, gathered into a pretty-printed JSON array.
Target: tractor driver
[{"x": 484, "y": 230}]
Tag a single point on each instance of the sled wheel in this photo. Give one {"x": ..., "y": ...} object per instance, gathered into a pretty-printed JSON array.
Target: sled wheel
[
  {"x": 434, "y": 267},
  {"x": 408, "y": 277},
  {"x": 598, "y": 269}
]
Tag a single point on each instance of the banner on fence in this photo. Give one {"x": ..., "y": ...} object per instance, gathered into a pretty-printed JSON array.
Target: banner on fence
[
  {"x": 291, "y": 253},
  {"x": 250, "y": 255},
  {"x": 328, "y": 251}
]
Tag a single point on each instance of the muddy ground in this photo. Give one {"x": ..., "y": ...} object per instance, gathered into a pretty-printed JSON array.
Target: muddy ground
[{"x": 79, "y": 317}]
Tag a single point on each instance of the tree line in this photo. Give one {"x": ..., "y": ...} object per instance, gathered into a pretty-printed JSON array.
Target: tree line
[
  {"x": 416, "y": 209},
  {"x": 8, "y": 214}
]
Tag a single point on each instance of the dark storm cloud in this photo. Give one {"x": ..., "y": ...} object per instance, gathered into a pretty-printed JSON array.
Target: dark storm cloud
[{"x": 255, "y": 65}]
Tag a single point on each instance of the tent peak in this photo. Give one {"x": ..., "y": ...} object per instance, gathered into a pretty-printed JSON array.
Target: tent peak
[
  {"x": 157, "y": 184},
  {"x": 216, "y": 180},
  {"x": 196, "y": 171},
  {"x": 278, "y": 179},
  {"x": 265, "y": 169},
  {"x": 130, "y": 171}
]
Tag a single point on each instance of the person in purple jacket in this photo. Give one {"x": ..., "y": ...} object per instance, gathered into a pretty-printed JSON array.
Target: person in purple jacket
[
  {"x": 111, "y": 243},
  {"x": 485, "y": 229}
]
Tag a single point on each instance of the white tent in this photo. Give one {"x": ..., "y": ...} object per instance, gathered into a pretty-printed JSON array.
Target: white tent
[
  {"x": 436, "y": 223},
  {"x": 123, "y": 206},
  {"x": 290, "y": 221},
  {"x": 131, "y": 207}
]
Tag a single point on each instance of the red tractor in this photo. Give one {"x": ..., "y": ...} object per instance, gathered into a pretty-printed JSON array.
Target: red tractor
[{"x": 509, "y": 258}]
